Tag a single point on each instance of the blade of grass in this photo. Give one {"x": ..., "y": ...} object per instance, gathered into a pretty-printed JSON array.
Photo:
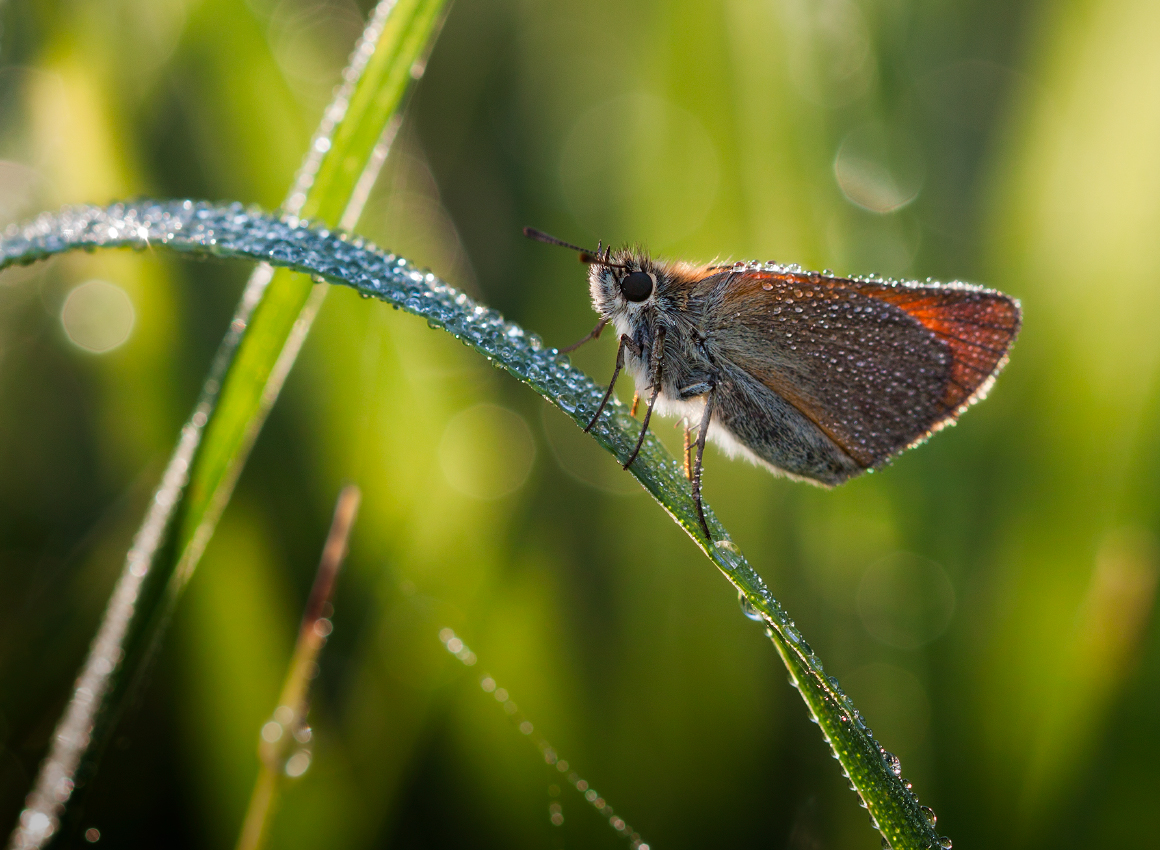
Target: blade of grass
[
  {"x": 283, "y": 731},
  {"x": 268, "y": 328},
  {"x": 232, "y": 231}
]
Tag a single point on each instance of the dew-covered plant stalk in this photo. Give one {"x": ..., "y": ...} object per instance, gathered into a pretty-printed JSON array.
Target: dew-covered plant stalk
[
  {"x": 268, "y": 328},
  {"x": 283, "y": 748},
  {"x": 233, "y": 231}
]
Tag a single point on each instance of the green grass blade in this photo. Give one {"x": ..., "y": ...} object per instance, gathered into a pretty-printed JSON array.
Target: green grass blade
[
  {"x": 232, "y": 231},
  {"x": 246, "y": 375},
  {"x": 282, "y": 319}
]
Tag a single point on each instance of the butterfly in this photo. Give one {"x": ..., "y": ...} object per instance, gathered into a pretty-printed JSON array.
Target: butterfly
[{"x": 815, "y": 377}]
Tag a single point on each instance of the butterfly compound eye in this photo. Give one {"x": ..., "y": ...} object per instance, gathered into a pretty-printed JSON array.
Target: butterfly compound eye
[{"x": 636, "y": 286}]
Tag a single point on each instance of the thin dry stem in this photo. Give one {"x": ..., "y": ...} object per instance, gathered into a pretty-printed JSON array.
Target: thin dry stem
[{"x": 287, "y": 728}]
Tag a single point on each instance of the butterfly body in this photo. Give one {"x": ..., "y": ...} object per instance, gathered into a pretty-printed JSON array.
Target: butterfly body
[
  {"x": 816, "y": 377},
  {"x": 811, "y": 375}
]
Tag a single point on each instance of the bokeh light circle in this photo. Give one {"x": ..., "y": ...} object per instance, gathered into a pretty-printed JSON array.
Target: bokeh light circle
[
  {"x": 879, "y": 170},
  {"x": 98, "y": 316},
  {"x": 486, "y": 451},
  {"x": 905, "y": 601}
]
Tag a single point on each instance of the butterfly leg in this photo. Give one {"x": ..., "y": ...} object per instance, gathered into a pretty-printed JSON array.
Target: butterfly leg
[
  {"x": 656, "y": 357},
  {"x": 625, "y": 342},
  {"x": 592, "y": 334},
  {"x": 702, "y": 432}
]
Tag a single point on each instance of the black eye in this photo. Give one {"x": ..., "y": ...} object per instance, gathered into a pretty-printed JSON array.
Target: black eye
[{"x": 636, "y": 286}]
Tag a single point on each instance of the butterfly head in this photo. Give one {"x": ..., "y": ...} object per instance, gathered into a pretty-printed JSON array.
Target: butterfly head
[{"x": 624, "y": 284}]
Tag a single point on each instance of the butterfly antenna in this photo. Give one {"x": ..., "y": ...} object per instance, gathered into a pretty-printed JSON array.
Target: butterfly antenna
[{"x": 586, "y": 255}]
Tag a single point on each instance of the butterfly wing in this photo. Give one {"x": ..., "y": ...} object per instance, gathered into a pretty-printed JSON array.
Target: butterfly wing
[{"x": 875, "y": 366}]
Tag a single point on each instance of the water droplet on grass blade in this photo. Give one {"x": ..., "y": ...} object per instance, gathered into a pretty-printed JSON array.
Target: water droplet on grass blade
[{"x": 749, "y": 609}]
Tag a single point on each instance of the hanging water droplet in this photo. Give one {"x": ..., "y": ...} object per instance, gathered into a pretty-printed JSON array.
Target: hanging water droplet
[
  {"x": 928, "y": 813},
  {"x": 749, "y": 609},
  {"x": 892, "y": 762}
]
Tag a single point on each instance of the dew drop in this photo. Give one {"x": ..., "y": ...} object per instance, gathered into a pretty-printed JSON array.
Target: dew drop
[
  {"x": 928, "y": 813},
  {"x": 749, "y": 609},
  {"x": 727, "y": 546}
]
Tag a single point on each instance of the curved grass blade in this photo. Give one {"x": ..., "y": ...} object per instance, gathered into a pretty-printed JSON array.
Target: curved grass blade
[
  {"x": 245, "y": 377},
  {"x": 236, "y": 232}
]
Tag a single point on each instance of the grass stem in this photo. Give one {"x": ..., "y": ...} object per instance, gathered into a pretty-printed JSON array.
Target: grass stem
[{"x": 282, "y": 742}]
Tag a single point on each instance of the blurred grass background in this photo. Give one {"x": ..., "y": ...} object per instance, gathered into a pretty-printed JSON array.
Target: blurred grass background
[{"x": 987, "y": 601}]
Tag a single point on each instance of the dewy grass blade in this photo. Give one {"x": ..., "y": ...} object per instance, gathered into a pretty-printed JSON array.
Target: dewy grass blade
[
  {"x": 281, "y": 746},
  {"x": 267, "y": 330},
  {"x": 283, "y": 318},
  {"x": 234, "y": 231}
]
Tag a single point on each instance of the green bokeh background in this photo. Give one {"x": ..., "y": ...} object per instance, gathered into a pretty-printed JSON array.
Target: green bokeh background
[{"x": 1017, "y": 675}]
